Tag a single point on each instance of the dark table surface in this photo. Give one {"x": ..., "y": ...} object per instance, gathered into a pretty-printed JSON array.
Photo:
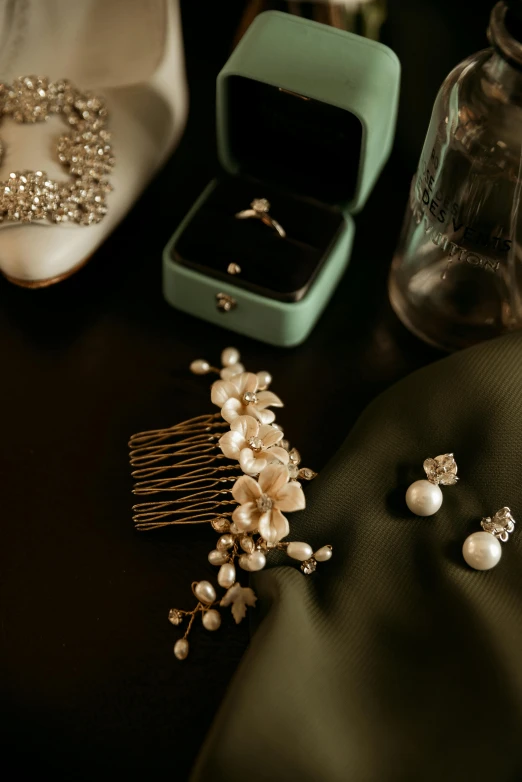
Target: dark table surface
[{"x": 88, "y": 681}]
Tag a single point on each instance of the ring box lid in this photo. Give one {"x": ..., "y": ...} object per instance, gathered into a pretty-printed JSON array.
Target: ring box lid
[{"x": 309, "y": 108}]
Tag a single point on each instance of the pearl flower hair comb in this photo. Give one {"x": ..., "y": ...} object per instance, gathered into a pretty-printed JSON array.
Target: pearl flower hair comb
[{"x": 243, "y": 447}]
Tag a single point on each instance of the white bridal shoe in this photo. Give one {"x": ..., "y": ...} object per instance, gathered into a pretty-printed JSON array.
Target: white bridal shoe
[{"x": 128, "y": 52}]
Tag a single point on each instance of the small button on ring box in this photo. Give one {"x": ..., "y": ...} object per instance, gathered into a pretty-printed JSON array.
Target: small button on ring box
[{"x": 306, "y": 118}]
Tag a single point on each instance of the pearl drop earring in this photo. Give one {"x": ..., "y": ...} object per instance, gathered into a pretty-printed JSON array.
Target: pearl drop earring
[
  {"x": 424, "y": 498},
  {"x": 482, "y": 550}
]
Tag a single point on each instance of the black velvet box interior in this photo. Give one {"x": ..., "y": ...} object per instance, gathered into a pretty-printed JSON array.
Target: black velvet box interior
[{"x": 300, "y": 154}]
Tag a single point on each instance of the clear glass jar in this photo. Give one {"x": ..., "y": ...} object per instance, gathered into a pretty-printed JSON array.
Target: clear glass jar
[{"x": 456, "y": 277}]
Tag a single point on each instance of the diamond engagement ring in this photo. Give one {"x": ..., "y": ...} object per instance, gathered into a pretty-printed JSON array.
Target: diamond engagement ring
[{"x": 259, "y": 210}]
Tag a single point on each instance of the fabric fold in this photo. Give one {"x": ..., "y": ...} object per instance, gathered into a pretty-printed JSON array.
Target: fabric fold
[{"x": 394, "y": 661}]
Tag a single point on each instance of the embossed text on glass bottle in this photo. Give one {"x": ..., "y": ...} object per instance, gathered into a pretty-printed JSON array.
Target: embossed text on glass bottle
[{"x": 456, "y": 278}]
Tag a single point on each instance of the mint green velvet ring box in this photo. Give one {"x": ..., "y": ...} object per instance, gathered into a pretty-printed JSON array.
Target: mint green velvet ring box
[{"x": 306, "y": 118}]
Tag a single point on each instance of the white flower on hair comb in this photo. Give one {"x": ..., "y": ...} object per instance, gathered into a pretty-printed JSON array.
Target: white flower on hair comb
[{"x": 240, "y": 446}]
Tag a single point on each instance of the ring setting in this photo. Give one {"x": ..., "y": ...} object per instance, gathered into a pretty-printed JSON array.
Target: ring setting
[{"x": 259, "y": 210}]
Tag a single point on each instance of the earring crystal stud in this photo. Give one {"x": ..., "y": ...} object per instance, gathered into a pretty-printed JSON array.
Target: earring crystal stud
[
  {"x": 482, "y": 550},
  {"x": 424, "y": 497}
]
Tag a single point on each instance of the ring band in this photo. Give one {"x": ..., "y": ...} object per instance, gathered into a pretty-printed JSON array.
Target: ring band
[{"x": 259, "y": 209}]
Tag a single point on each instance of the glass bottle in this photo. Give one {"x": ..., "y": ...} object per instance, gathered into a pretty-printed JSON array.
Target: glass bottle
[{"x": 456, "y": 277}]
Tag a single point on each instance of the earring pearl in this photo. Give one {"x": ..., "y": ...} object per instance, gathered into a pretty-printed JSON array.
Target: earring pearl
[
  {"x": 482, "y": 550},
  {"x": 424, "y": 497}
]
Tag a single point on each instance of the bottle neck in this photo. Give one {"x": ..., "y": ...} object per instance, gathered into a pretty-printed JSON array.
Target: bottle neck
[
  {"x": 504, "y": 81},
  {"x": 502, "y": 33},
  {"x": 503, "y": 69}
]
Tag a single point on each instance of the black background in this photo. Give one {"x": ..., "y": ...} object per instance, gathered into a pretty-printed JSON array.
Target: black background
[{"x": 88, "y": 681}]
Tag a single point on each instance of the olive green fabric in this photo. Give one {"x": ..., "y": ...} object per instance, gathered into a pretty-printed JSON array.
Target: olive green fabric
[{"x": 394, "y": 661}]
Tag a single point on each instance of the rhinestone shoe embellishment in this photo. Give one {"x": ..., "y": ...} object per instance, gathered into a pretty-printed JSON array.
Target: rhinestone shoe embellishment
[{"x": 85, "y": 153}]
